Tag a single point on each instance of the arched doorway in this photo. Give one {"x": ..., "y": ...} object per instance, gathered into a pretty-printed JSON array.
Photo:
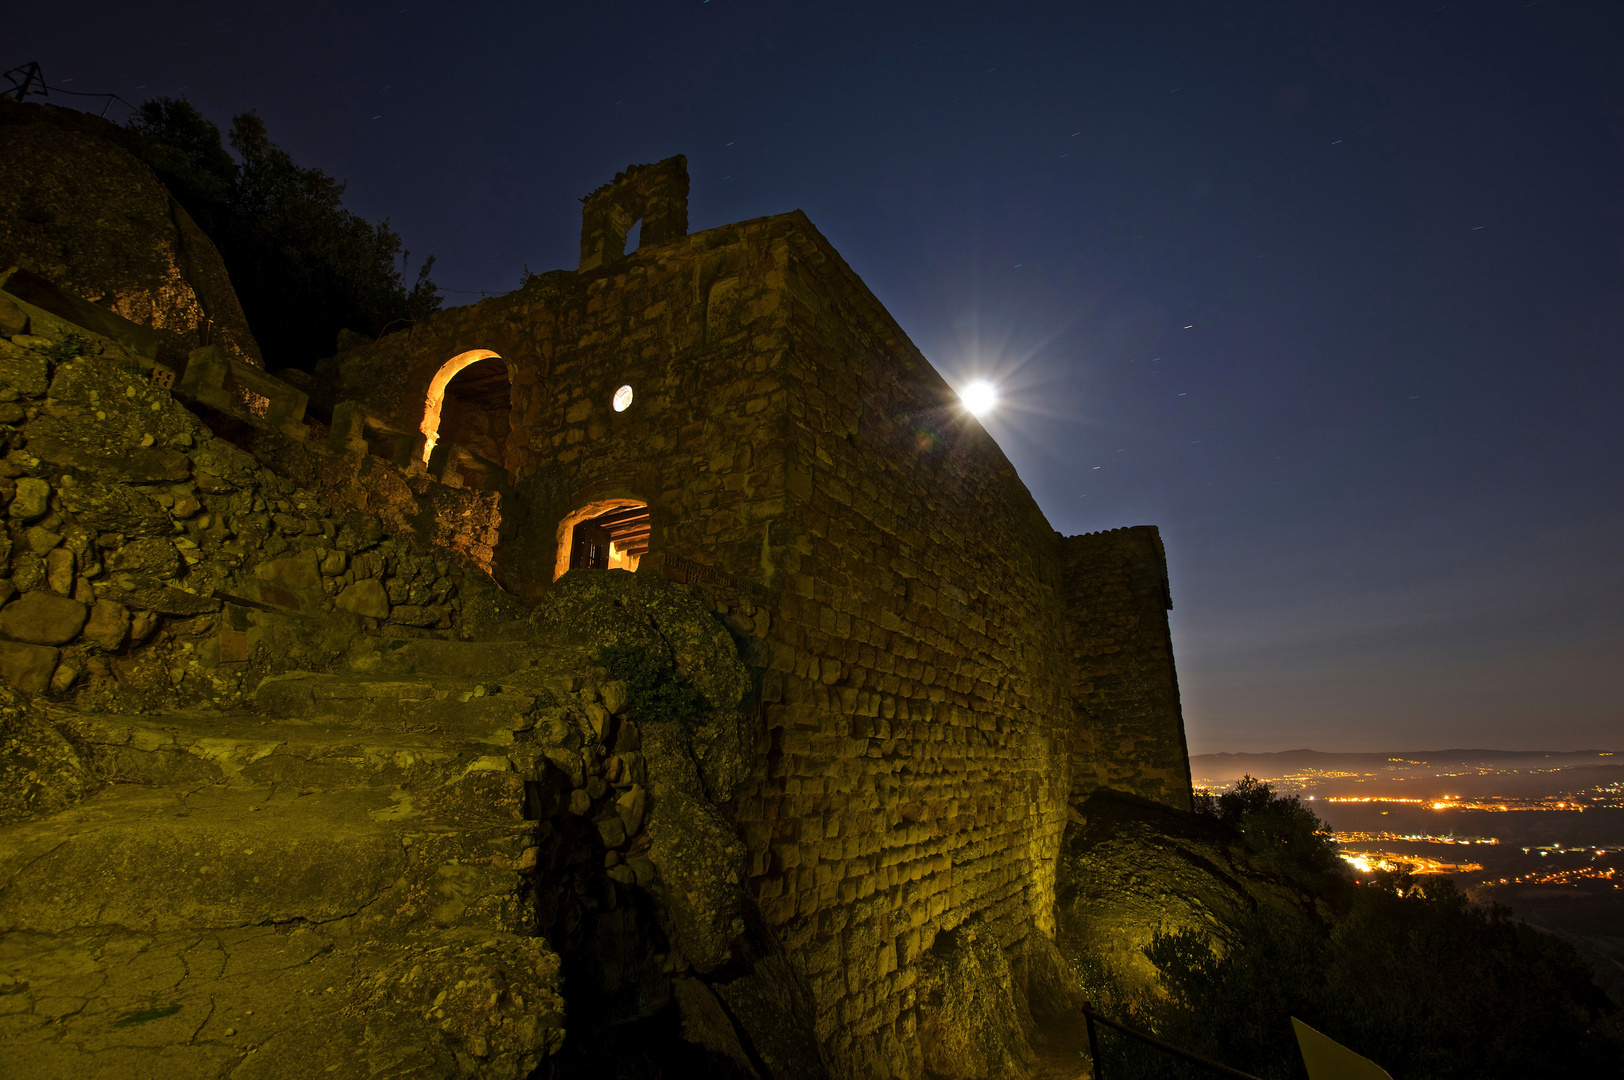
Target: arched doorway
[
  {"x": 610, "y": 534},
  {"x": 470, "y": 402}
]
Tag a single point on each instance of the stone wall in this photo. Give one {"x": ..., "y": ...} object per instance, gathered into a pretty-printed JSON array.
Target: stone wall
[
  {"x": 915, "y": 627},
  {"x": 703, "y": 442},
  {"x": 915, "y": 769},
  {"x": 1129, "y": 727},
  {"x": 147, "y": 562},
  {"x": 656, "y": 195}
]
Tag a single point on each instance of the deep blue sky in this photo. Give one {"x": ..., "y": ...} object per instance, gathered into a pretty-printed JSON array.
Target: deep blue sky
[{"x": 1333, "y": 293}]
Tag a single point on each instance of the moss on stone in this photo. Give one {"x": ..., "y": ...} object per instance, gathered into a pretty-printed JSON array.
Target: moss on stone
[{"x": 657, "y": 690}]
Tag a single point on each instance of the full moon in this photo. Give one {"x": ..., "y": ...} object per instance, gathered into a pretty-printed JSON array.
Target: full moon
[{"x": 979, "y": 397}]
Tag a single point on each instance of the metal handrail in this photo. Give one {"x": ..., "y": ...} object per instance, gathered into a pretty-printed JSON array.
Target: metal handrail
[{"x": 1091, "y": 1016}]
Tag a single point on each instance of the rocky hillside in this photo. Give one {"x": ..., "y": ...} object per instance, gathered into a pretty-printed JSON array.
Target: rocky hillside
[
  {"x": 288, "y": 791},
  {"x": 1130, "y": 868}
]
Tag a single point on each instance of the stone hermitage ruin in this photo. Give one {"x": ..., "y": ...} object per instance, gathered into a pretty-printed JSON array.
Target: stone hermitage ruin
[{"x": 654, "y": 665}]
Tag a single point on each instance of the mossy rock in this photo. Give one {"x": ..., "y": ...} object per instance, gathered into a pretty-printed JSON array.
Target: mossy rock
[
  {"x": 1133, "y": 867},
  {"x": 615, "y": 607},
  {"x": 619, "y": 611}
]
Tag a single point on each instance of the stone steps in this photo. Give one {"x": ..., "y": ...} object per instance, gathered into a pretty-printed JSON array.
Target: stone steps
[
  {"x": 453, "y": 708},
  {"x": 350, "y": 876},
  {"x": 211, "y": 748},
  {"x": 215, "y": 856},
  {"x": 334, "y": 884},
  {"x": 467, "y": 660}
]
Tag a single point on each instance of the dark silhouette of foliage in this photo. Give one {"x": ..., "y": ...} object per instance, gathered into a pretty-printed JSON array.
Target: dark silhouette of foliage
[
  {"x": 303, "y": 266},
  {"x": 1434, "y": 986},
  {"x": 1403, "y": 970},
  {"x": 1282, "y": 834},
  {"x": 655, "y": 689}
]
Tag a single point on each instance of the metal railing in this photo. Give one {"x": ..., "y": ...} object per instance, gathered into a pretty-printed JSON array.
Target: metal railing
[{"x": 1093, "y": 1017}]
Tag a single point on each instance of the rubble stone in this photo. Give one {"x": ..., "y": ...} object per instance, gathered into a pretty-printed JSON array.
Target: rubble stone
[
  {"x": 108, "y": 625},
  {"x": 365, "y": 598},
  {"x": 300, "y": 571},
  {"x": 148, "y": 555},
  {"x": 32, "y": 501},
  {"x": 27, "y": 667},
  {"x": 42, "y": 618},
  {"x": 59, "y": 571}
]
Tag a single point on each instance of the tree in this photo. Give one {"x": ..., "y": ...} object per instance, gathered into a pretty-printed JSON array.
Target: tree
[
  {"x": 1282, "y": 834},
  {"x": 303, "y": 266}
]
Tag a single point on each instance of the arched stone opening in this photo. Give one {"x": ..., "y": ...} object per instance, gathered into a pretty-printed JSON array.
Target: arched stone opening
[
  {"x": 610, "y": 534},
  {"x": 656, "y": 195},
  {"x": 470, "y": 402}
]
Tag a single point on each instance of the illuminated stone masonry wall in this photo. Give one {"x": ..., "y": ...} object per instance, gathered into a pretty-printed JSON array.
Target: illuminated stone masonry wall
[
  {"x": 1130, "y": 728},
  {"x": 917, "y": 722},
  {"x": 693, "y": 327},
  {"x": 922, "y": 719}
]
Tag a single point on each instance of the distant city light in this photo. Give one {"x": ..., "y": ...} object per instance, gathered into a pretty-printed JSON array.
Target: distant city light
[{"x": 979, "y": 397}]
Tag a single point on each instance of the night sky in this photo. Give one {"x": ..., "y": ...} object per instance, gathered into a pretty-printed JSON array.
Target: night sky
[{"x": 1332, "y": 293}]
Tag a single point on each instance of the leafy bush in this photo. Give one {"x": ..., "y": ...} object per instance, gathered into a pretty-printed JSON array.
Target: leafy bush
[
  {"x": 69, "y": 346},
  {"x": 1280, "y": 832},
  {"x": 303, "y": 266},
  {"x": 656, "y": 690}
]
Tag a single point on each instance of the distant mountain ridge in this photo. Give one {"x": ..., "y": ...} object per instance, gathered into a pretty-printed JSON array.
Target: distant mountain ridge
[{"x": 1280, "y": 762}]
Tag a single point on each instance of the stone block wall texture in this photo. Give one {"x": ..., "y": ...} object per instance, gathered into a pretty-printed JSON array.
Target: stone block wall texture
[
  {"x": 656, "y": 195},
  {"x": 917, "y": 722},
  {"x": 916, "y": 763},
  {"x": 1130, "y": 730}
]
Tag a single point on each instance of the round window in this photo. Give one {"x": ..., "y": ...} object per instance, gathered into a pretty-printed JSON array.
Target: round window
[{"x": 623, "y": 399}]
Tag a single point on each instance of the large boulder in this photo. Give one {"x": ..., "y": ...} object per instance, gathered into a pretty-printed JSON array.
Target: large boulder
[
  {"x": 669, "y": 621},
  {"x": 1132, "y": 867},
  {"x": 42, "y": 618},
  {"x": 84, "y": 213},
  {"x": 701, "y": 863},
  {"x": 971, "y": 1022},
  {"x": 27, "y": 667},
  {"x": 114, "y": 508}
]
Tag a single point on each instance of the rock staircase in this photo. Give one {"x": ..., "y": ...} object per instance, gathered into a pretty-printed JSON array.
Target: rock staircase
[{"x": 334, "y": 882}]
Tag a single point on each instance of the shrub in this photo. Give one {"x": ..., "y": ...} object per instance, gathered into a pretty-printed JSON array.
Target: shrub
[
  {"x": 302, "y": 265},
  {"x": 1282, "y": 833},
  {"x": 656, "y": 690},
  {"x": 69, "y": 346}
]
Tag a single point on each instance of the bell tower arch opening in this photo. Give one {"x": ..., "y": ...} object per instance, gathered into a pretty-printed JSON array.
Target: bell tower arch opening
[
  {"x": 654, "y": 195},
  {"x": 470, "y": 402}
]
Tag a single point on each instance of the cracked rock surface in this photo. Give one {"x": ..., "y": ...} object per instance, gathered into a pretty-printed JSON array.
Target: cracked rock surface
[
  {"x": 337, "y": 884},
  {"x": 272, "y": 1001}
]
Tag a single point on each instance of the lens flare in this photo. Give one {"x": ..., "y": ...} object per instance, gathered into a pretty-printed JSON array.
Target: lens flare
[{"x": 979, "y": 397}]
